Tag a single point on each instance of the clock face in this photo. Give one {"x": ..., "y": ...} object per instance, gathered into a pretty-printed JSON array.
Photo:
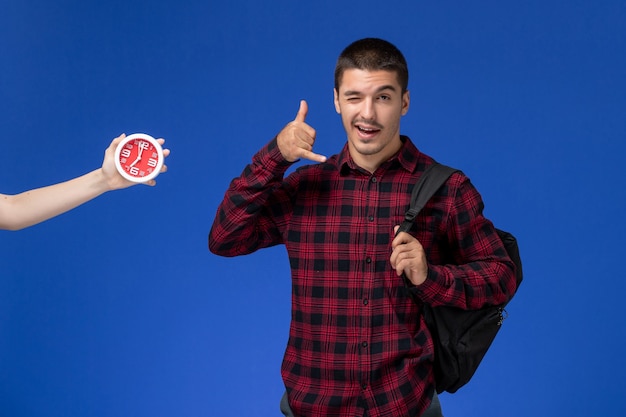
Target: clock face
[{"x": 139, "y": 157}]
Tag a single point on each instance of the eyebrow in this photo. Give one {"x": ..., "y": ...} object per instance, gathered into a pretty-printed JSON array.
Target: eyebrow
[{"x": 379, "y": 90}]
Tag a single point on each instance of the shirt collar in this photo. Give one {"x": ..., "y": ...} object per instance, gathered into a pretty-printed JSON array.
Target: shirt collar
[{"x": 407, "y": 157}]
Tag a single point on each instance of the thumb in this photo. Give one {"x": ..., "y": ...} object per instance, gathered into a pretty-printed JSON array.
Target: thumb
[
  {"x": 302, "y": 111},
  {"x": 397, "y": 229}
]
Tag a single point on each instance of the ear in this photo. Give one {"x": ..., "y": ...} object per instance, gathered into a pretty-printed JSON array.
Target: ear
[
  {"x": 406, "y": 100},
  {"x": 336, "y": 95}
]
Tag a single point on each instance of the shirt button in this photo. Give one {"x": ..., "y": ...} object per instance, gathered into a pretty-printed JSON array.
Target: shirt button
[
  {"x": 364, "y": 344},
  {"x": 365, "y": 302},
  {"x": 364, "y": 385},
  {"x": 368, "y": 260},
  {"x": 370, "y": 218},
  {"x": 374, "y": 179}
]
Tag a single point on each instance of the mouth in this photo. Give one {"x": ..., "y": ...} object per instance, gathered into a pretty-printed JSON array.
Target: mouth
[{"x": 367, "y": 131}]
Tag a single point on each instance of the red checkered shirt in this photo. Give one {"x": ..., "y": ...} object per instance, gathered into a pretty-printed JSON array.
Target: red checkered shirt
[{"x": 357, "y": 341}]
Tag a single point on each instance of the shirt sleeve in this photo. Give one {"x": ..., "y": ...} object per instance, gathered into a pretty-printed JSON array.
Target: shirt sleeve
[
  {"x": 480, "y": 271},
  {"x": 254, "y": 206}
]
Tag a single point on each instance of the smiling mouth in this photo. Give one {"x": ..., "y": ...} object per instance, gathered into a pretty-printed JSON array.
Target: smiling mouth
[{"x": 367, "y": 129}]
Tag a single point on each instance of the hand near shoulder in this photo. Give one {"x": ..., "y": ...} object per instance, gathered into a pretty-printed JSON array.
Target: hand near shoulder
[
  {"x": 408, "y": 257},
  {"x": 296, "y": 139},
  {"x": 114, "y": 180}
]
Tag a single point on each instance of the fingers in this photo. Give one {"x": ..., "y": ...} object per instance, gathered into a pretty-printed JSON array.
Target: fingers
[
  {"x": 408, "y": 257},
  {"x": 118, "y": 139},
  {"x": 166, "y": 152},
  {"x": 296, "y": 140},
  {"x": 302, "y": 111},
  {"x": 401, "y": 258},
  {"x": 115, "y": 142},
  {"x": 313, "y": 156},
  {"x": 304, "y": 141},
  {"x": 308, "y": 139},
  {"x": 401, "y": 238},
  {"x": 399, "y": 249},
  {"x": 304, "y": 149}
]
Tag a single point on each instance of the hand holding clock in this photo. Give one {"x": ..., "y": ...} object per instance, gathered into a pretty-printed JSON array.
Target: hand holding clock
[{"x": 118, "y": 175}]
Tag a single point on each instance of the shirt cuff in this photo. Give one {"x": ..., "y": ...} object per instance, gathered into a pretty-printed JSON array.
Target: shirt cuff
[
  {"x": 427, "y": 289},
  {"x": 270, "y": 157}
]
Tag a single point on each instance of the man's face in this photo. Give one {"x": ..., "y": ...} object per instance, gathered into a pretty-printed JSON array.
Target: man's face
[{"x": 371, "y": 104}]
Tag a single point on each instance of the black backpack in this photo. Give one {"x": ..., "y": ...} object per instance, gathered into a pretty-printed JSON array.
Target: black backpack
[{"x": 461, "y": 337}]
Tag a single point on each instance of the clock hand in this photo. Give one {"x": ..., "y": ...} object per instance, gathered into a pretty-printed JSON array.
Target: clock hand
[
  {"x": 141, "y": 146},
  {"x": 135, "y": 161}
]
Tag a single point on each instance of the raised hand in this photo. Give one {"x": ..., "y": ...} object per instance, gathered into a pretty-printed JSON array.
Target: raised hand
[{"x": 296, "y": 139}]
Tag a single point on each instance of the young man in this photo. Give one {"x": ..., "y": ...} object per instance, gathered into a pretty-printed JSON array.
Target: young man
[
  {"x": 358, "y": 345},
  {"x": 34, "y": 206}
]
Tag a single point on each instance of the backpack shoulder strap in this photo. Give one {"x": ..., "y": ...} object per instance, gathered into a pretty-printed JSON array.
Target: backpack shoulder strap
[{"x": 431, "y": 180}]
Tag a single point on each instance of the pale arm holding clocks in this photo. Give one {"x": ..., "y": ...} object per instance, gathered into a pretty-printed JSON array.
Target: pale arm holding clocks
[{"x": 34, "y": 206}]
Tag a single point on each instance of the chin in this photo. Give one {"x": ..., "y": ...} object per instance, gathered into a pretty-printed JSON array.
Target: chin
[{"x": 368, "y": 149}]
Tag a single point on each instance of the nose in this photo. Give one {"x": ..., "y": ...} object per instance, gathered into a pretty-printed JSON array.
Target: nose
[{"x": 368, "y": 111}]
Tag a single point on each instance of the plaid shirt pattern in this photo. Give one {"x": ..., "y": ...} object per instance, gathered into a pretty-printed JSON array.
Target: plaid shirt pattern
[{"x": 357, "y": 342}]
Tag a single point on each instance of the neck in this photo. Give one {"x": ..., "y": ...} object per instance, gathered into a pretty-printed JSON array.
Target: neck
[{"x": 372, "y": 161}]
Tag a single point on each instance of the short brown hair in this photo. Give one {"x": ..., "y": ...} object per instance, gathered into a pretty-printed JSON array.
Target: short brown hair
[{"x": 372, "y": 54}]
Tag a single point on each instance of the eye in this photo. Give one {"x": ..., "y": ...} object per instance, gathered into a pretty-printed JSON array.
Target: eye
[{"x": 384, "y": 97}]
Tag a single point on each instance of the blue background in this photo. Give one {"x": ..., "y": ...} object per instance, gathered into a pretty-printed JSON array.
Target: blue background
[{"x": 118, "y": 309}]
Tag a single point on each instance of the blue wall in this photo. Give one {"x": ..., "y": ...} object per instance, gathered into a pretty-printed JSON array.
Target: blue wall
[{"x": 118, "y": 309}]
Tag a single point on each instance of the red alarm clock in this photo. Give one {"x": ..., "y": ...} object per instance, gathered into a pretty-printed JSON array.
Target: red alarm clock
[{"x": 139, "y": 157}]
